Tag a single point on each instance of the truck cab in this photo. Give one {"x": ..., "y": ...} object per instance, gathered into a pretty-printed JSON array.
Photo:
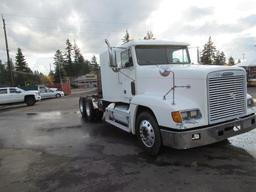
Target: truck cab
[{"x": 151, "y": 89}]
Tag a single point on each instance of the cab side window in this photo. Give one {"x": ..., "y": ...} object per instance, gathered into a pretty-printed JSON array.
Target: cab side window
[
  {"x": 3, "y": 91},
  {"x": 126, "y": 58},
  {"x": 12, "y": 90}
]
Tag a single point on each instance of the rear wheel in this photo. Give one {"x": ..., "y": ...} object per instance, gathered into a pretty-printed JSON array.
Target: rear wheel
[
  {"x": 82, "y": 106},
  {"x": 89, "y": 110},
  {"x": 148, "y": 133},
  {"x": 30, "y": 101}
]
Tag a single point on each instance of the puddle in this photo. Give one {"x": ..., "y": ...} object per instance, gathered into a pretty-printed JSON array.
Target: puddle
[
  {"x": 60, "y": 128},
  {"x": 46, "y": 115},
  {"x": 49, "y": 115}
]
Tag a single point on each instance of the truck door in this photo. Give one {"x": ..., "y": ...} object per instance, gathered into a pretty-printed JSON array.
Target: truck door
[
  {"x": 127, "y": 74},
  {"x": 4, "y": 96},
  {"x": 15, "y": 95}
]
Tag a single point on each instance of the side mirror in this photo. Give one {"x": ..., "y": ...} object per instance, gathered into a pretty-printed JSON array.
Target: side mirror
[{"x": 112, "y": 62}]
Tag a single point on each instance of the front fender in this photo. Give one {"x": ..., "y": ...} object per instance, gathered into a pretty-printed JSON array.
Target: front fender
[{"x": 162, "y": 108}]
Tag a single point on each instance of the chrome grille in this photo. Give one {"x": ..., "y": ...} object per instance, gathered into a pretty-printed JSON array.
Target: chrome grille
[{"x": 226, "y": 95}]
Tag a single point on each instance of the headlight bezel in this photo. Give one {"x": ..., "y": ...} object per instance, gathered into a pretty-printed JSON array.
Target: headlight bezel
[{"x": 191, "y": 114}]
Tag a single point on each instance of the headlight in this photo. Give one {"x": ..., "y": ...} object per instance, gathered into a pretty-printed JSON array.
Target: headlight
[
  {"x": 193, "y": 114},
  {"x": 250, "y": 102}
]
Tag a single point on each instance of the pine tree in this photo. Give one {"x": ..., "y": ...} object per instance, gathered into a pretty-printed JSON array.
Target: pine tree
[
  {"x": 94, "y": 64},
  {"x": 3, "y": 74},
  {"x": 231, "y": 61},
  {"x": 126, "y": 37},
  {"x": 239, "y": 61},
  {"x": 208, "y": 53},
  {"x": 21, "y": 64},
  {"x": 149, "y": 35},
  {"x": 23, "y": 74},
  {"x": 68, "y": 59},
  {"x": 59, "y": 62},
  {"x": 220, "y": 58},
  {"x": 81, "y": 67}
]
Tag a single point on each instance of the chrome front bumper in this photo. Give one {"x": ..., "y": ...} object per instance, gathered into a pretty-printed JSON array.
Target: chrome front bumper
[{"x": 211, "y": 134}]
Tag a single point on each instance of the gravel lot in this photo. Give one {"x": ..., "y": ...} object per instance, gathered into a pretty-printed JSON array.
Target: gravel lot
[{"x": 48, "y": 147}]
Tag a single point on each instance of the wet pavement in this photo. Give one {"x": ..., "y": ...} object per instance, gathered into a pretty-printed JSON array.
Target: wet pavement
[{"x": 42, "y": 149}]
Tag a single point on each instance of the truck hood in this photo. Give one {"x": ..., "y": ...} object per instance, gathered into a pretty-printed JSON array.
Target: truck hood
[
  {"x": 197, "y": 71},
  {"x": 150, "y": 80}
]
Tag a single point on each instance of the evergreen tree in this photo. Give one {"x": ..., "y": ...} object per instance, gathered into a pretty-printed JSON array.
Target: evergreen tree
[
  {"x": 220, "y": 58},
  {"x": 126, "y": 37},
  {"x": 68, "y": 59},
  {"x": 3, "y": 74},
  {"x": 21, "y": 64},
  {"x": 149, "y": 35},
  {"x": 81, "y": 67},
  {"x": 94, "y": 65},
  {"x": 208, "y": 53},
  {"x": 231, "y": 61},
  {"x": 239, "y": 61},
  {"x": 23, "y": 74},
  {"x": 51, "y": 77},
  {"x": 60, "y": 73}
]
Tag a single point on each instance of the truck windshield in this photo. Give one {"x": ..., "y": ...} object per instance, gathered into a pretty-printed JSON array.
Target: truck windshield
[{"x": 158, "y": 54}]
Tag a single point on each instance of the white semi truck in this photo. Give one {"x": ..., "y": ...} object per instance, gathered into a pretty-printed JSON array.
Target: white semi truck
[{"x": 151, "y": 89}]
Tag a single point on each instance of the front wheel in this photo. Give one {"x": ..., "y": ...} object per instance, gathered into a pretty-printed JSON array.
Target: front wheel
[
  {"x": 148, "y": 133},
  {"x": 30, "y": 101},
  {"x": 58, "y": 95}
]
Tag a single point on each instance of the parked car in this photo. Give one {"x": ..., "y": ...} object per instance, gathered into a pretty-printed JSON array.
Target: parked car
[
  {"x": 14, "y": 95},
  {"x": 47, "y": 93}
]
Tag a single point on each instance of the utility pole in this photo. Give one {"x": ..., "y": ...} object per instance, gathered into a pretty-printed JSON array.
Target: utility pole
[{"x": 7, "y": 52}]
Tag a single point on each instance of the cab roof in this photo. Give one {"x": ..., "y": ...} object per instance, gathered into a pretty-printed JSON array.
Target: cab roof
[{"x": 153, "y": 42}]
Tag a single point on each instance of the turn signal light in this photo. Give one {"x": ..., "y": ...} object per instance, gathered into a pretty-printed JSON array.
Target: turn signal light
[{"x": 176, "y": 116}]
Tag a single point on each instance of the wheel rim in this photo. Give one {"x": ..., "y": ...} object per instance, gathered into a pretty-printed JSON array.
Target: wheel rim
[
  {"x": 81, "y": 107},
  {"x": 147, "y": 133},
  {"x": 88, "y": 111}
]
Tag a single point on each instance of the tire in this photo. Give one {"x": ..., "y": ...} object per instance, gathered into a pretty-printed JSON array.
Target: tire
[
  {"x": 148, "y": 133},
  {"x": 58, "y": 95},
  {"x": 30, "y": 101},
  {"x": 82, "y": 101},
  {"x": 89, "y": 110}
]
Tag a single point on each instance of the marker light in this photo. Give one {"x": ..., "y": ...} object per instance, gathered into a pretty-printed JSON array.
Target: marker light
[{"x": 176, "y": 116}]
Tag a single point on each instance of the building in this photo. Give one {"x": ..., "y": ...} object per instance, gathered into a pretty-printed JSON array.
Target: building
[
  {"x": 86, "y": 81},
  {"x": 250, "y": 69}
]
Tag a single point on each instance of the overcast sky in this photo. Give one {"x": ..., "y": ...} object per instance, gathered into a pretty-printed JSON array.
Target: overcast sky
[{"x": 41, "y": 27}]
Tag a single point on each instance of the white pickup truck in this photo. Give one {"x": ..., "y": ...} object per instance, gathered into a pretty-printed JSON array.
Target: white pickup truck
[{"x": 14, "y": 95}]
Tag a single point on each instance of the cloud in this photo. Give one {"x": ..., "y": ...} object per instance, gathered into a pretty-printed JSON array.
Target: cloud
[
  {"x": 198, "y": 12},
  {"x": 243, "y": 45},
  {"x": 43, "y": 26}
]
